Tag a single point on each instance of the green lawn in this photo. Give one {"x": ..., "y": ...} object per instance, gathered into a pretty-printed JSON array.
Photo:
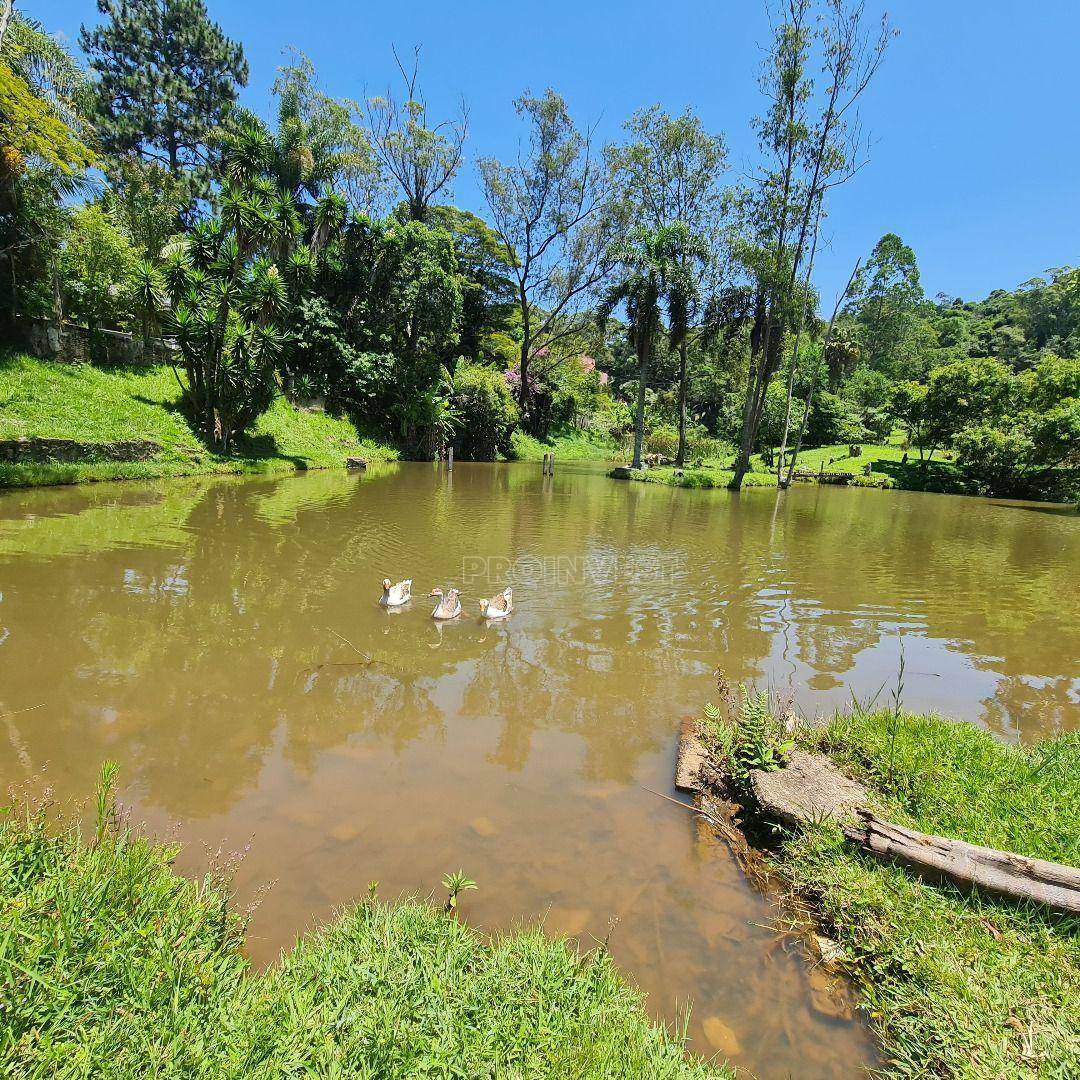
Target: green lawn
[
  {"x": 43, "y": 399},
  {"x": 888, "y": 469},
  {"x": 112, "y": 965},
  {"x": 959, "y": 986}
]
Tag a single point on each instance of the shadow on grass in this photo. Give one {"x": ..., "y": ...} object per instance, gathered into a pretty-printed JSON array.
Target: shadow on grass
[{"x": 934, "y": 476}]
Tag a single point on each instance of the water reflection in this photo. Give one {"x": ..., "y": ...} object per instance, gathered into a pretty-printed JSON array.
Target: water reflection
[{"x": 222, "y": 640}]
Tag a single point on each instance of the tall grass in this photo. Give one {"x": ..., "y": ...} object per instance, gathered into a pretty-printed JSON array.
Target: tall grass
[
  {"x": 959, "y": 985},
  {"x": 112, "y": 965}
]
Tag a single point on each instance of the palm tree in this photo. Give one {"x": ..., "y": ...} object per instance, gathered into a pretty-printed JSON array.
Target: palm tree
[
  {"x": 685, "y": 255},
  {"x": 640, "y": 259}
]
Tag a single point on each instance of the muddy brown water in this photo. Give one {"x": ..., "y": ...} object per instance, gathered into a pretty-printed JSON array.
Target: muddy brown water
[{"x": 205, "y": 634}]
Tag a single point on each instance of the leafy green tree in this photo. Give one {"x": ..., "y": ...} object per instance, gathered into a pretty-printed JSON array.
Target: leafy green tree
[
  {"x": 485, "y": 409},
  {"x": 1027, "y": 427},
  {"x": 964, "y": 393},
  {"x": 99, "y": 267},
  {"x": 642, "y": 261},
  {"x": 812, "y": 146},
  {"x": 147, "y": 199},
  {"x": 869, "y": 392},
  {"x": 166, "y": 78},
  {"x": 44, "y": 152},
  {"x": 317, "y": 153},
  {"x": 486, "y": 268},
  {"x": 392, "y": 300},
  {"x": 549, "y": 209},
  {"x": 40, "y": 122},
  {"x": 886, "y": 297}
]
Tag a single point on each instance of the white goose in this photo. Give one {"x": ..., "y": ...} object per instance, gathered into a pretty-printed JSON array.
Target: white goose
[
  {"x": 498, "y": 607},
  {"x": 449, "y": 605},
  {"x": 396, "y": 595}
]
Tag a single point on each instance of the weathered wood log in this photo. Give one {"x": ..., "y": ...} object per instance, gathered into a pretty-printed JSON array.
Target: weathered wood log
[
  {"x": 809, "y": 788},
  {"x": 355, "y": 463},
  {"x": 964, "y": 865}
]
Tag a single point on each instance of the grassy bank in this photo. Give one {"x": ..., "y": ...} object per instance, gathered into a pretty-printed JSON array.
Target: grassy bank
[
  {"x": 570, "y": 446},
  {"x": 112, "y": 965},
  {"x": 876, "y": 466},
  {"x": 100, "y": 407},
  {"x": 959, "y": 986}
]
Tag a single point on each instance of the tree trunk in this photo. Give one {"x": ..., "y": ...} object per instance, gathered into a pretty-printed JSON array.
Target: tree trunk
[
  {"x": 644, "y": 348},
  {"x": 813, "y": 376},
  {"x": 6, "y": 8},
  {"x": 524, "y": 398},
  {"x": 742, "y": 460},
  {"x": 680, "y": 454}
]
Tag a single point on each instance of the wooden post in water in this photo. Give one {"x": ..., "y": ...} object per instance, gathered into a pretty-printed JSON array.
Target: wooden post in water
[
  {"x": 543, "y": 467},
  {"x": 449, "y": 459},
  {"x": 551, "y": 464}
]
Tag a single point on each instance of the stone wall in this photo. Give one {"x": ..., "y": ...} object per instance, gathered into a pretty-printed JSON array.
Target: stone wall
[{"x": 69, "y": 450}]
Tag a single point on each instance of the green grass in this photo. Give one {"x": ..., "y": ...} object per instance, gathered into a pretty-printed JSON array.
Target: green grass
[
  {"x": 887, "y": 470},
  {"x": 98, "y": 406},
  {"x": 959, "y": 986},
  {"x": 112, "y": 965},
  {"x": 569, "y": 446}
]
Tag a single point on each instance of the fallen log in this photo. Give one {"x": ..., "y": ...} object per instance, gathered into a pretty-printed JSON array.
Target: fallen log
[
  {"x": 964, "y": 865},
  {"x": 693, "y": 759}
]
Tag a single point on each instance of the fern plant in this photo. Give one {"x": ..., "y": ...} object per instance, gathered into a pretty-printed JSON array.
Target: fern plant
[{"x": 755, "y": 739}]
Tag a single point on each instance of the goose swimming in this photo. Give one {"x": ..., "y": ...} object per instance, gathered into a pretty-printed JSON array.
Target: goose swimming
[
  {"x": 396, "y": 595},
  {"x": 498, "y": 607},
  {"x": 449, "y": 605}
]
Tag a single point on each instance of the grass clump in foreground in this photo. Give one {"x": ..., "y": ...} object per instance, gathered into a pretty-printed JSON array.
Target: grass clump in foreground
[
  {"x": 111, "y": 964},
  {"x": 98, "y": 406},
  {"x": 959, "y": 986}
]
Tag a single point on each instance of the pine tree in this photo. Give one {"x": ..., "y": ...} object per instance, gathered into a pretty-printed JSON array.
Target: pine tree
[{"x": 166, "y": 78}]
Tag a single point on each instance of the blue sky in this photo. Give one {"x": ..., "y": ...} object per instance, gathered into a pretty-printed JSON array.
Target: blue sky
[{"x": 974, "y": 117}]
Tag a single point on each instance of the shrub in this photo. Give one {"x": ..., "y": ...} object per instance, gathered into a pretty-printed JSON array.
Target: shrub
[{"x": 486, "y": 411}]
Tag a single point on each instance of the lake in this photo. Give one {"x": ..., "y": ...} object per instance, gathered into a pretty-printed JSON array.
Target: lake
[{"x": 221, "y": 640}]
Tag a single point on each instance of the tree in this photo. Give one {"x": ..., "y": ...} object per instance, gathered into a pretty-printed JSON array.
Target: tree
[
  {"x": 960, "y": 394},
  {"x": 147, "y": 199},
  {"x": 422, "y": 157},
  {"x": 812, "y": 140},
  {"x": 166, "y": 78},
  {"x": 1022, "y": 428},
  {"x": 490, "y": 297},
  {"x": 548, "y": 209},
  {"x": 44, "y": 153},
  {"x": 486, "y": 411},
  {"x": 885, "y": 300},
  {"x": 669, "y": 173},
  {"x": 389, "y": 314},
  {"x": 98, "y": 264},
  {"x": 643, "y": 261},
  {"x": 690, "y": 254},
  {"x": 228, "y": 300}
]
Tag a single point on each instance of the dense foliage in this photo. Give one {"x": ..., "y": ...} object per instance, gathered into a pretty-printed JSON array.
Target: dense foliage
[{"x": 622, "y": 293}]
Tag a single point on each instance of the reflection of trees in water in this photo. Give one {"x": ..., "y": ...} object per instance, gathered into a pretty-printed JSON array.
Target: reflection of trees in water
[
  {"x": 155, "y": 654},
  {"x": 176, "y": 627},
  {"x": 1027, "y": 709}
]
